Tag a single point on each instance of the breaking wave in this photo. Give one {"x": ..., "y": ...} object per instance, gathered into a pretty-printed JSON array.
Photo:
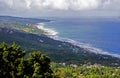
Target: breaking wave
[
  {"x": 48, "y": 31},
  {"x": 86, "y": 46},
  {"x": 54, "y": 35}
]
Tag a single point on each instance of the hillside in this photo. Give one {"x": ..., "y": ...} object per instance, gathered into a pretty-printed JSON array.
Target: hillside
[
  {"x": 37, "y": 65},
  {"x": 60, "y": 52}
]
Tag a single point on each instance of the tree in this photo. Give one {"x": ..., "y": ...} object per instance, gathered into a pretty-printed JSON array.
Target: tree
[
  {"x": 10, "y": 57},
  {"x": 40, "y": 65},
  {"x": 14, "y": 65}
]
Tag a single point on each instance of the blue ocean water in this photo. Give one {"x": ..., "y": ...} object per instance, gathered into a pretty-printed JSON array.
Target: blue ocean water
[{"x": 103, "y": 34}]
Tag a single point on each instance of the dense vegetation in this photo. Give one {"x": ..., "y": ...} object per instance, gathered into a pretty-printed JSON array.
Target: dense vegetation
[
  {"x": 13, "y": 65},
  {"x": 85, "y": 71},
  {"x": 58, "y": 51},
  {"x": 30, "y": 28},
  {"x": 23, "y": 32}
]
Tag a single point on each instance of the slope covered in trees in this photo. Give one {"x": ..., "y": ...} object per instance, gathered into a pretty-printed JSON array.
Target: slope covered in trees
[
  {"x": 23, "y": 32},
  {"x": 58, "y": 51},
  {"x": 85, "y": 71},
  {"x": 37, "y": 65}
]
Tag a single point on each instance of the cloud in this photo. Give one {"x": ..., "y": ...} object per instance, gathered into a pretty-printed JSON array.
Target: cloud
[
  {"x": 60, "y": 7},
  {"x": 54, "y": 4}
]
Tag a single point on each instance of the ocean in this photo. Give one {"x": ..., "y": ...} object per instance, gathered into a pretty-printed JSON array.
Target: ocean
[{"x": 100, "y": 35}]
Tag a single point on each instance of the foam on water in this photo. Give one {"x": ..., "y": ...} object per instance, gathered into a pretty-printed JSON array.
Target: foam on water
[
  {"x": 86, "y": 46},
  {"x": 54, "y": 34},
  {"x": 47, "y": 30}
]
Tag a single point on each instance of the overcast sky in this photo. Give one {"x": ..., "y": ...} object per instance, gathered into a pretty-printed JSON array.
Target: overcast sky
[{"x": 60, "y": 8}]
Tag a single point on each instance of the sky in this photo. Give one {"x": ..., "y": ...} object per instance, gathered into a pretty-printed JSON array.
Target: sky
[{"x": 60, "y": 8}]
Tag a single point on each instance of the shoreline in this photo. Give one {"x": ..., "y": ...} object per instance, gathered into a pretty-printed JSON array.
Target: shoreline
[
  {"x": 47, "y": 31},
  {"x": 54, "y": 35}
]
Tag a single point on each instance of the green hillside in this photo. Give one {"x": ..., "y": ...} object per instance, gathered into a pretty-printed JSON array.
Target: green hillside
[
  {"x": 37, "y": 65},
  {"x": 23, "y": 32},
  {"x": 57, "y": 50}
]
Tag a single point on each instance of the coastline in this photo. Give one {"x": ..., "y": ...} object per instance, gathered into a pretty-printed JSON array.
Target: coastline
[{"x": 49, "y": 32}]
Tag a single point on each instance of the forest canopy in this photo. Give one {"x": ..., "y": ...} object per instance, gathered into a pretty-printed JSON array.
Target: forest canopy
[{"x": 14, "y": 65}]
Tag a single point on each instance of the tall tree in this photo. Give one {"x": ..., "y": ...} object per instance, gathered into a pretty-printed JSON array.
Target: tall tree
[{"x": 14, "y": 65}]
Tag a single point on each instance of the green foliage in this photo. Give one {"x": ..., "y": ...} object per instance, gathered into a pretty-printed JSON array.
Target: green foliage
[
  {"x": 85, "y": 71},
  {"x": 29, "y": 28},
  {"x": 58, "y": 51},
  {"x": 13, "y": 65},
  {"x": 15, "y": 28},
  {"x": 9, "y": 59},
  {"x": 37, "y": 65}
]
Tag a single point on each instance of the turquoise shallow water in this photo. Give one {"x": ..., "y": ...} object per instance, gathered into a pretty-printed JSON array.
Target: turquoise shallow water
[{"x": 103, "y": 34}]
